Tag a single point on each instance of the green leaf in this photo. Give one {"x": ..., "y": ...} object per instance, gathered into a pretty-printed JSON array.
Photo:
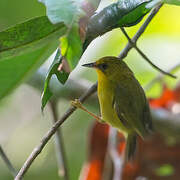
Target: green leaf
[
  {"x": 71, "y": 47},
  {"x": 62, "y": 77},
  {"x": 28, "y": 36},
  {"x": 123, "y": 13},
  {"x": 23, "y": 48},
  {"x": 69, "y": 12},
  {"x": 15, "y": 69},
  {"x": 133, "y": 13},
  {"x": 174, "y": 2},
  {"x": 61, "y": 10}
]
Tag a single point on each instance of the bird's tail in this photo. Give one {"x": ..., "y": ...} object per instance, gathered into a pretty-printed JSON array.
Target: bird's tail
[{"x": 130, "y": 147}]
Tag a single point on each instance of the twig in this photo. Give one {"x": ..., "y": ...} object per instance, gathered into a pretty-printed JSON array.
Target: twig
[
  {"x": 59, "y": 145},
  {"x": 37, "y": 150},
  {"x": 7, "y": 162},
  {"x": 141, "y": 30},
  {"x": 160, "y": 77},
  {"x": 144, "y": 56}
]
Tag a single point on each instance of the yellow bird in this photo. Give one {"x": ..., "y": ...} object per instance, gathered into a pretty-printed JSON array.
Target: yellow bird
[{"x": 122, "y": 101}]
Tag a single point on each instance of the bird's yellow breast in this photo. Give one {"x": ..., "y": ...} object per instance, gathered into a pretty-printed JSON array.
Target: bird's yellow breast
[{"x": 106, "y": 97}]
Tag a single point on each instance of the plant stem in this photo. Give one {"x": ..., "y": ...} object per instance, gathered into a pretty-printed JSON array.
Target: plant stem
[
  {"x": 160, "y": 77},
  {"x": 37, "y": 150},
  {"x": 59, "y": 145},
  {"x": 7, "y": 162}
]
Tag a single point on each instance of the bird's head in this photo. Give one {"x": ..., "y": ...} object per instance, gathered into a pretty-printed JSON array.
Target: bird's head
[{"x": 109, "y": 66}]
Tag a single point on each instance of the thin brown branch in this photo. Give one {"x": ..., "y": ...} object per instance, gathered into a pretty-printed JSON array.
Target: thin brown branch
[
  {"x": 7, "y": 162},
  {"x": 144, "y": 56},
  {"x": 37, "y": 150},
  {"x": 141, "y": 30},
  {"x": 160, "y": 77},
  {"x": 59, "y": 145}
]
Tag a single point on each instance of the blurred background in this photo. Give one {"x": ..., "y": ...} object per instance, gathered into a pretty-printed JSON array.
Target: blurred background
[{"x": 23, "y": 124}]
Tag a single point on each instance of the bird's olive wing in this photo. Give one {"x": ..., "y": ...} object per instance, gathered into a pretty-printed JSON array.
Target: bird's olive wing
[{"x": 131, "y": 106}]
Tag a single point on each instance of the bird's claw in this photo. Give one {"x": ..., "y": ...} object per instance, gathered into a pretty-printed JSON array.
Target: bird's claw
[{"x": 76, "y": 103}]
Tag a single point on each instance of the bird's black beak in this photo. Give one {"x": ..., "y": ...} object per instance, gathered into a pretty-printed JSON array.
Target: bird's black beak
[{"x": 90, "y": 65}]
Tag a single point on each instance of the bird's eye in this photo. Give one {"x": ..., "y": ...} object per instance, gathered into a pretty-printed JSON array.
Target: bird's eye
[{"x": 103, "y": 67}]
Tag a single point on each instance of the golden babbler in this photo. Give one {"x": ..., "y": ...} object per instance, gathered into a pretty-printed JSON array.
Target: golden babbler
[{"x": 122, "y": 100}]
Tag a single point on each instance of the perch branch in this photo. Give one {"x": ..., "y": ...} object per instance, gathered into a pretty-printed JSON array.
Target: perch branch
[
  {"x": 144, "y": 56},
  {"x": 7, "y": 162},
  {"x": 59, "y": 145},
  {"x": 37, "y": 150}
]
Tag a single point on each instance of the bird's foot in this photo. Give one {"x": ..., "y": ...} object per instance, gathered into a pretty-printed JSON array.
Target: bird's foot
[{"x": 76, "y": 103}]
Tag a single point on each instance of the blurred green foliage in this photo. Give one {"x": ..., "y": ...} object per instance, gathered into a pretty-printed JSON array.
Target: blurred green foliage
[{"x": 165, "y": 170}]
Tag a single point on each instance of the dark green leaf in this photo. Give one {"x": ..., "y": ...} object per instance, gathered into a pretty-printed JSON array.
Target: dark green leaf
[
  {"x": 23, "y": 48},
  {"x": 28, "y": 36},
  {"x": 120, "y": 14},
  {"x": 62, "y": 77}
]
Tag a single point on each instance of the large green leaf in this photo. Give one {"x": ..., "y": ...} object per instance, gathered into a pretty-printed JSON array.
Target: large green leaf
[
  {"x": 15, "y": 69},
  {"x": 23, "y": 48},
  {"x": 28, "y": 36}
]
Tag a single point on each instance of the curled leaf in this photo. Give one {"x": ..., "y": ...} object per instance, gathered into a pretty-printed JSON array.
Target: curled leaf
[{"x": 53, "y": 70}]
